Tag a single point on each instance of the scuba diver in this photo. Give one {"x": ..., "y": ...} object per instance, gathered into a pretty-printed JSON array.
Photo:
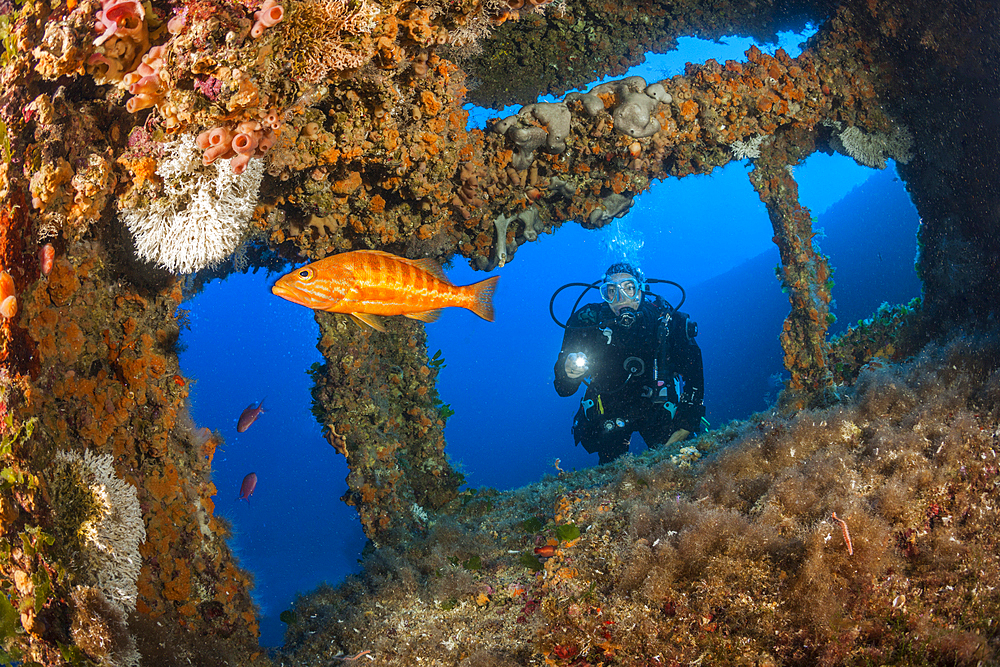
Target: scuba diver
[{"x": 644, "y": 365}]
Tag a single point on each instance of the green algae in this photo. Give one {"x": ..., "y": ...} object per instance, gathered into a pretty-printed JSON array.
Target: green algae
[
  {"x": 532, "y": 525},
  {"x": 10, "y": 624},
  {"x": 531, "y": 562},
  {"x": 567, "y": 532},
  {"x": 74, "y": 507}
]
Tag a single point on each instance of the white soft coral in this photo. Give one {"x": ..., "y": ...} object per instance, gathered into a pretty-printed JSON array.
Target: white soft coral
[{"x": 203, "y": 214}]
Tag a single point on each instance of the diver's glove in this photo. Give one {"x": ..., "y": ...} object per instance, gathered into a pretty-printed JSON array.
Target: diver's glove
[{"x": 576, "y": 365}]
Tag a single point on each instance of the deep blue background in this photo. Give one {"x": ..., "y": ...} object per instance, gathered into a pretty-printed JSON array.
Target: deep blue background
[
  {"x": 501, "y": 373},
  {"x": 710, "y": 233}
]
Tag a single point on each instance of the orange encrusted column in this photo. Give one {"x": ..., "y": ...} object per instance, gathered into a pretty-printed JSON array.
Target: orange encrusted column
[
  {"x": 804, "y": 272},
  {"x": 375, "y": 397}
]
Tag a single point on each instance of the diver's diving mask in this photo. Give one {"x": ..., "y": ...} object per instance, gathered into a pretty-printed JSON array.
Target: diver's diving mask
[{"x": 615, "y": 291}]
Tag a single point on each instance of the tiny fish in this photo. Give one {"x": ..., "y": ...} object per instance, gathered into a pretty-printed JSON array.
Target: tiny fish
[
  {"x": 249, "y": 416},
  {"x": 368, "y": 283},
  {"x": 548, "y": 551},
  {"x": 247, "y": 487}
]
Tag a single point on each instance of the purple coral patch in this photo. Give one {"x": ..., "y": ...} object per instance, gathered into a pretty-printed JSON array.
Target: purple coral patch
[{"x": 208, "y": 86}]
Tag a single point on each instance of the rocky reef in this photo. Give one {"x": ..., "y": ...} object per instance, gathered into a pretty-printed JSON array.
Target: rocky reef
[{"x": 139, "y": 139}]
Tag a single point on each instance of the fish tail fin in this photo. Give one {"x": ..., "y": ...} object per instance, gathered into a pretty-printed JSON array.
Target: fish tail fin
[{"x": 482, "y": 298}]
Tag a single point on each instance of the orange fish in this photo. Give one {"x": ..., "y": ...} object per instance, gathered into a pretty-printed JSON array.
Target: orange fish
[{"x": 367, "y": 283}]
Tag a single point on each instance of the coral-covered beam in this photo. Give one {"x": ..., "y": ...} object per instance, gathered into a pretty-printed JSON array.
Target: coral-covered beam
[
  {"x": 805, "y": 273},
  {"x": 428, "y": 185},
  {"x": 376, "y": 397}
]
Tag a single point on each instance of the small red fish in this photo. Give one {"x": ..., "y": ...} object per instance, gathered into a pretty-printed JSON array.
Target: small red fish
[
  {"x": 247, "y": 487},
  {"x": 548, "y": 551},
  {"x": 367, "y": 283},
  {"x": 249, "y": 416}
]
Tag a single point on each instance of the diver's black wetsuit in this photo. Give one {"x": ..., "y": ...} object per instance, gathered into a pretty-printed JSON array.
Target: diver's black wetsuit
[{"x": 646, "y": 377}]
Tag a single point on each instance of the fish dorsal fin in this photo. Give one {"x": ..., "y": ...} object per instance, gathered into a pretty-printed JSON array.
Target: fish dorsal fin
[
  {"x": 367, "y": 318},
  {"x": 431, "y": 267},
  {"x": 426, "y": 264},
  {"x": 425, "y": 316}
]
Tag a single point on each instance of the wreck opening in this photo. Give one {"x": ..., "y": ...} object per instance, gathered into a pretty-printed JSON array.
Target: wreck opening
[
  {"x": 731, "y": 291},
  {"x": 295, "y": 513},
  {"x": 690, "y": 258}
]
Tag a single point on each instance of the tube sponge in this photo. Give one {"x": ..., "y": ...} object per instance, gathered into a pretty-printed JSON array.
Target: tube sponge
[
  {"x": 266, "y": 142},
  {"x": 244, "y": 143},
  {"x": 217, "y": 136},
  {"x": 239, "y": 163},
  {"x": 268, "y": 16},
  {"x": 119, "y": 17},
  {"x": 139, "y": 102}
]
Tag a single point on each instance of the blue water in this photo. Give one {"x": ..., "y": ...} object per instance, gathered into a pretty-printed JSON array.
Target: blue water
[{"x": 295, "y": 533}]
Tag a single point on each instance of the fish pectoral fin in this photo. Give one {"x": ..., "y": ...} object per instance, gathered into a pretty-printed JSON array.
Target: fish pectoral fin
[
  {"x": 425, "y": 316},
  {"x": 371, "y": 320}
]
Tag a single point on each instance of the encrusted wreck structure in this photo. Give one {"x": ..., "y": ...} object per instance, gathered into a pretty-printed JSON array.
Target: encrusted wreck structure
[{"x": 139, "y": 139}]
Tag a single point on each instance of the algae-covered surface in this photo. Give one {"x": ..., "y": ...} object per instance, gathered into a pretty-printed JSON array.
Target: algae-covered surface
[{"x": 857, "y": 534}]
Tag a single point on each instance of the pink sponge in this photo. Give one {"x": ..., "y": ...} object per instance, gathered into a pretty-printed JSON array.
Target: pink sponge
[
  {"x": 118, "y": 17},
  {"x": 268, "y": 16}
]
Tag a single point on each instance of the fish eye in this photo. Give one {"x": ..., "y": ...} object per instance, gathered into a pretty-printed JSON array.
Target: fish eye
[{"x": 305, "y": 274}]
